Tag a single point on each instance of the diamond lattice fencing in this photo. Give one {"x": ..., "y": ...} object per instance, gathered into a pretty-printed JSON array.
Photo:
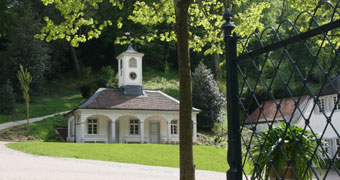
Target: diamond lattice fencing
[{"x": 283, "y": 89}]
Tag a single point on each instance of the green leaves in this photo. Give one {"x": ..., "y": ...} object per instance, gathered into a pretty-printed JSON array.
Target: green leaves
[
  {"x": 299, "y": 145},
  {"x": 205, "y": 20},
  {"x": 25, "y": 80},
  {"x": 78, "y": 25}
]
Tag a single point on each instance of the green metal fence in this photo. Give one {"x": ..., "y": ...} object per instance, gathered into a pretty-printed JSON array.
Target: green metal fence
[{"x": 283, "y": 89}]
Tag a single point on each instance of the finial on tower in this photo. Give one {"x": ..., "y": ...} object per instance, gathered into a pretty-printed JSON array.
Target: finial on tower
[{"x": 130, "y": 48}]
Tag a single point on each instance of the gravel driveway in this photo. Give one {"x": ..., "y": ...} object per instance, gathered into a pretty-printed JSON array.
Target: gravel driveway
[{"x": 21, "y": 166}]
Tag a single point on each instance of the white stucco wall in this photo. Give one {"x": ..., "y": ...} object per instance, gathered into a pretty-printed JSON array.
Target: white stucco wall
[
  {"x": 124, "y": 126},
  {"x": 122, "y": 117},
  {"x": 262, "y": 126},
  {"x": 103, "y": 123},
  {"x": 124, "y": 76},
  {"x": 318, "y": 121}
]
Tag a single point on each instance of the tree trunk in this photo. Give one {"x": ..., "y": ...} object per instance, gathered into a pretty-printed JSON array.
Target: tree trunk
[
  {"x": 187, "y": 167},
  {"x": 28, "y": 113},
  {"x": 75, "y": 61},
  {"x": 217, "y": 66}
]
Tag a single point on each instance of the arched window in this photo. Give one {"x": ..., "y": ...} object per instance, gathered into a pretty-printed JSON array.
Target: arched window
[
  {"x": 133, "y": 63},
  {"x": 174, "y": 127}
]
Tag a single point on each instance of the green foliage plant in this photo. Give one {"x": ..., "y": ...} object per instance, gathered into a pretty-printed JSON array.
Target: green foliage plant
[
  {"x": 220, "y": 130},
  {"x": 7, "y": 96},
  {"x": 86, "y": 71},
  {"x": 299, "y": 145},
  {"x": 25, "y": 80},
  {"x": 109, "y": 75},
  {"x": 24, "y": 49},
  {"x": 206, "y": 97}
]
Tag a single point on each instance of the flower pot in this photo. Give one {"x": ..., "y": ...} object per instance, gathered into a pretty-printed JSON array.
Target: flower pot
[{"x": 288, "y": 176}]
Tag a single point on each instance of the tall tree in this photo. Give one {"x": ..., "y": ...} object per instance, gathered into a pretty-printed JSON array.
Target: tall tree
[
  {"x": 24, "y": 49},
  {"x": 187, "y": 167}
]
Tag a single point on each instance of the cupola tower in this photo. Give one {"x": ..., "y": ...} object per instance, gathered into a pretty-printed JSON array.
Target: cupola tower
[{"x": 130, "y": 72}]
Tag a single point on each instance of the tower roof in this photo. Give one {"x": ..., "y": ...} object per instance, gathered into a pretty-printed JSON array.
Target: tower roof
[{"x": 130, "y": 49}]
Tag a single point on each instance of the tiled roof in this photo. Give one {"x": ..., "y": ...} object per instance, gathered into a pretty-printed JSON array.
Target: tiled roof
[
  {"x": 329, "y": 88},
  {"x": 106, "y": 98},
  {"x": 271, "y": 112}
]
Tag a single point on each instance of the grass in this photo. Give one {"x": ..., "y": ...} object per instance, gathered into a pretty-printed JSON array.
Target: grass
[
  {"x": 62, "y": 94},
  {"x": 206, "y": 157},
  {"x": 58, "y": 96},
  {"x": 166, "y": 82},
  {"x": 39, "y": 131}
]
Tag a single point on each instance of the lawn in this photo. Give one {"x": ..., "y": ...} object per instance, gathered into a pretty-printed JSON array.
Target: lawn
[
  {"x": 58, "y": 96},
  {"x": 166, "y": 82},
  {"x": 62, "y": 94},
  {"x": 39, "y": 131},
  {"x": 206, "y": 157}
]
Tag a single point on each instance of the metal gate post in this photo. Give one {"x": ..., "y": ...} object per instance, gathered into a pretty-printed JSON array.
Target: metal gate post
[{"x": 234, "y": 136}]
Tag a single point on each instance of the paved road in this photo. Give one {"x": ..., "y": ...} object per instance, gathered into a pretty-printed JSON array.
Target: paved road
[
  {"x": 15, "y": 165},
  {"x": 32, "y": 120}
]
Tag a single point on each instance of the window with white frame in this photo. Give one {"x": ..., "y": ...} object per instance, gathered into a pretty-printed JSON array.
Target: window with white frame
[
  {"x": 92, "y": 125},
  {"x": 174, "y": 127},
  {"x": 338, "y": 148},
  {"x": 132, "y": 63},
  {"x": 134, "y": 126},
  {"x": 322, "y": 105},
  {"x": 336, "y": 104}
]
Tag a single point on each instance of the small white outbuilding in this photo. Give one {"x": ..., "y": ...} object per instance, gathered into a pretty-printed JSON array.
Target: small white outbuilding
[
  {"x": 127, "y": 114},
  {"x": 320, "y": 115}
]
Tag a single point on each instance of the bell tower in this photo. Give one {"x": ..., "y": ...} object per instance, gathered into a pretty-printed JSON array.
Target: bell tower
[{"x": 130, "y": 72}]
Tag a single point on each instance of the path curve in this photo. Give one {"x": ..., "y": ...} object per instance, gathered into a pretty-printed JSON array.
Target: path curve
[
  {"x": 32, "y": 120},
  {"x": 16, "y": 165}
]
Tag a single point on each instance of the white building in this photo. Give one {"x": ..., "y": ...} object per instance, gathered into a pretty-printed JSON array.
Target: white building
[
  {"x": 326, "y": 108},
  {"x": 127, "y": 114}
]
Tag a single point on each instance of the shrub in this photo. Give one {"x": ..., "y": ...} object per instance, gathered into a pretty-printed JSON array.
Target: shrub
[
  {"x": 7, "y": 96},
  {"x": 207, "y": 97},
  {"x": 107, "y": 78},
  {"x": 86, "y": 71},
  {"x": 108, "y": 72},
  {"x": 101, "y": 81},
  {"x": 220, "y": 130}
]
